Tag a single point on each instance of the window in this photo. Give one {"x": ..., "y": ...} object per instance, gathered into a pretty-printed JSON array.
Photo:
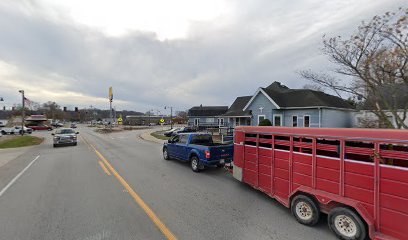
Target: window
[
  {"x": 260, "y": 118},
  {"x": 236, "y": 121},
  {"x": 277, "y": 120},
  {"x": 306, "y": 121},
  {"x": 220, "y": 121},
  {"x": 294, "y": 121},
  {"x": 196, "y": 121},
  {"x": 183, "y": 139}
]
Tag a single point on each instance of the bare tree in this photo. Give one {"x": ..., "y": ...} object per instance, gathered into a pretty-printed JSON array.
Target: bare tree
[
  {"x": 376, "y": 61},
  {"x": 314, "y": 87}
]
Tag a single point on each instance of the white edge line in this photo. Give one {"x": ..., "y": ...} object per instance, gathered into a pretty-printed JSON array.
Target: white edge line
[{"x": 17, "y": 177}]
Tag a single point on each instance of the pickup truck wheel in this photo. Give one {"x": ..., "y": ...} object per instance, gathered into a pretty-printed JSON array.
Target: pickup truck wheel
[
  {"x": 166, "y": 154},
  {"x": 195, "y": 164},
  {"x": 305, "y": 210},
  {"x": 346, "y": 224}
]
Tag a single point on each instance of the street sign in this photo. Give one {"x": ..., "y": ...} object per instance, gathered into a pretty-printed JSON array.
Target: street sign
[
  {"x": 119, "y": 120},
  {"x": 110, "y": 94},
  {"x": 162, "y": 120}
]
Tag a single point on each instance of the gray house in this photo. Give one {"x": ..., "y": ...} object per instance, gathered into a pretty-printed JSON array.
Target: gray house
[
  {"x": 290, "y": 107},
  {"x": 206, "y": 116},
  {"x": 236, "y": 116}
]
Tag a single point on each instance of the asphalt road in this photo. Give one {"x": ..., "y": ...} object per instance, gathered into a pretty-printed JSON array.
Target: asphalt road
[{"x": 66, "y": 194}]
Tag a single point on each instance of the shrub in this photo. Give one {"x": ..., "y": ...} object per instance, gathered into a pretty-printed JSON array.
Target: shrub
[{"x": 265, "y": 122}]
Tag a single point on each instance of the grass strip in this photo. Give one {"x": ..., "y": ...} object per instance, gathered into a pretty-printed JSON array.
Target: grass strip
[{"x": 20, "y": 141}]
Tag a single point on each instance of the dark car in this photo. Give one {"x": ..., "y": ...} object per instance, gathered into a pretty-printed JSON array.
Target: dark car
[
  {"x": 73, "y": 125},
  {"x": 65, "y": 136},
  {"x": 169, "y": 132},
  {"x": 183, "y": 130}
]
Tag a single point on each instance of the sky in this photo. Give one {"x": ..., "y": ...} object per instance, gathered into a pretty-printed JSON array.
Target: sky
[{"x": 157, "y": 53}]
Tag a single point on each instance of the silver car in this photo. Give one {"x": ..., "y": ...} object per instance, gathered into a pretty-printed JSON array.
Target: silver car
[{"x": 65, "y": 136}]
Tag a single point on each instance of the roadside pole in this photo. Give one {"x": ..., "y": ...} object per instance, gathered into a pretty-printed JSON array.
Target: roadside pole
[
  {"x": 110, "y": 106},
  {"x": 171, "y": 116},
  {"x": 22, "y": 112}
]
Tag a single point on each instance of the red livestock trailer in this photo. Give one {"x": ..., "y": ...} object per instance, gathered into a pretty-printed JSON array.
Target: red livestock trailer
[{"x": 359, "y": 177}]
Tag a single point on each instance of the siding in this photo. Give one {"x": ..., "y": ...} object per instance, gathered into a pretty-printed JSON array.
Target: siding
[
  {"x": 332, "y": 118},
  {"x": 261, "y": 101},
  {"x": 313, "y": 113}
]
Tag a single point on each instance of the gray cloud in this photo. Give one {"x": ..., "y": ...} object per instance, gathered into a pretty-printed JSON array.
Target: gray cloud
[{"x": 264, "y": 41}]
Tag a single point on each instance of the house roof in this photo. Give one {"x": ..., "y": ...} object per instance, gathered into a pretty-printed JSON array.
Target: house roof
[
  {"x": 236, "y": 109},
  {"x": 203, "y": 111},
  {"x": 285, "y": 97}
]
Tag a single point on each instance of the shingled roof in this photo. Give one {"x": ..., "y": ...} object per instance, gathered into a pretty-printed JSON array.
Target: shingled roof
[
  {"x": 285, "y": 97},
  {"x": 236, "y": 109},
  {"x": 207, "y": 111}
]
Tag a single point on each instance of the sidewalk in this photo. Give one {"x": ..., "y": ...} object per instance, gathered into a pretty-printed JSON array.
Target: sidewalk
[{"x": 147, "y": 137}]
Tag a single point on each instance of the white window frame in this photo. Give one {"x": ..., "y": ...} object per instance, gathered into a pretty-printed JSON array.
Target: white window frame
[
  {"x": 220, "y": 121},
  {"x": 237, "y": 121},
  {"x": 297, "y": 121},
  {"x": 264, "y": 116},
  {"x": 281, "y": 118},
  {"x": 196, "y": 121},
  {"x": 304, "y": 118}
]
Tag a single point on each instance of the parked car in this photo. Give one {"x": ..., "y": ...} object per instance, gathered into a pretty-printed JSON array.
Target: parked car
[
  {"x": 41, "y": 127},
  {"x": 183, "y": 130},
  {"x": 15, "y": 130},
  {"x": 198, "y": 149},
  {"x": 73, "y": 125},
  {"x": 57, "y": 124},
  {"x": 65, "y": 136},
  {"x": 170, "y": 132}
]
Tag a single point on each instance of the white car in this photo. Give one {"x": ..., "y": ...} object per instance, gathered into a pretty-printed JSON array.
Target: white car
[{"x": 15, "y": 130}]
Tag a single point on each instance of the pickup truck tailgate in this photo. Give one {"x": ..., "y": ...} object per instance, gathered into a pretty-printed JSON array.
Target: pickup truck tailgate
[{"x": 221, "y": 152}]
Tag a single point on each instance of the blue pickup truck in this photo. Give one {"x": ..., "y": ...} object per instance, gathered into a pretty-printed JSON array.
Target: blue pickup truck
[{"x": 198, "y": 149}]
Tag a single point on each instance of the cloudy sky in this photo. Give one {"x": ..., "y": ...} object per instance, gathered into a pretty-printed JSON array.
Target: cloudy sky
[{"x": 159, "y": 52}]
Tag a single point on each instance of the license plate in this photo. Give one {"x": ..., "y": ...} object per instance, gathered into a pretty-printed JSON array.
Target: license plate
[{"x": 222, "y": 161}]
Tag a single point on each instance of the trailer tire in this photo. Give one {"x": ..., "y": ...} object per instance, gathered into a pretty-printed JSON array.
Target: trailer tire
[
  {"x": 195, "y": 164},
  {"x": 346, "y": 224},
  {"x": 305, "y": 210},
  {"x": 166, "y": 154}
]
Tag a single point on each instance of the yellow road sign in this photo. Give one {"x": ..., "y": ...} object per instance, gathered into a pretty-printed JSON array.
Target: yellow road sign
[
  {"x": 119, "y": 119},
  {"x": 162, "y": 120},
  {"x": 110, "y": 93}
]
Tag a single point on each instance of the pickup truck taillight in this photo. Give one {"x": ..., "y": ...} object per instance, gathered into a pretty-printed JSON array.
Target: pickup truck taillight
[{"x": 207, "y": 154}]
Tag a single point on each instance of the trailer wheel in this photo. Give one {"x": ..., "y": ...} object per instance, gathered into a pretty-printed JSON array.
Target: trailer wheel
[
  {"x": 305, "y": 210},
  {"x": 195, "y": 164},
  {"x": 346, "y": 224},
  {"x": 166, "y": 154}
]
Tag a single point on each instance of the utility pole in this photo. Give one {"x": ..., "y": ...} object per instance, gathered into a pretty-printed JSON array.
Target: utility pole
[
  {"x": 22, "y": 112},
  {"x": 171, "y": 115},
  {"x": 110, "y": 106}
]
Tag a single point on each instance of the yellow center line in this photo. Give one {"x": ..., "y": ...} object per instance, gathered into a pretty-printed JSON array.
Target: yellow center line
[
  {"x": 104, "y": 168},
  {"x": 155, "y": 219}
]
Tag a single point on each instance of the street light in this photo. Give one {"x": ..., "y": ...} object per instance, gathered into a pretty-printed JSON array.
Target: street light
[
  {"x": 171, "y": 115},
  {"x": 22, "y": 112}
]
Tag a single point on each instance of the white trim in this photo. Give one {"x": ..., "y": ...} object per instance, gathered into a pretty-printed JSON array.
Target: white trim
[
  {"x": 396, "y": 167},
  {"x": 355, "y": 161},
  {"x": 304, "y": 121},
  {"x": 315, "y": 107},
  {"x": 281, "y": 118},
  {"x": 260, "y": 90},
  {"x": 261, "y": 116},
  {"x": 297, "y": 120}
]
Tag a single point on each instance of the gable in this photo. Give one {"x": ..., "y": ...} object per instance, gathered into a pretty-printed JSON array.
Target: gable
[
  {"x": 261, "y": 96},
  {"x": 260, "y": 100}
]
